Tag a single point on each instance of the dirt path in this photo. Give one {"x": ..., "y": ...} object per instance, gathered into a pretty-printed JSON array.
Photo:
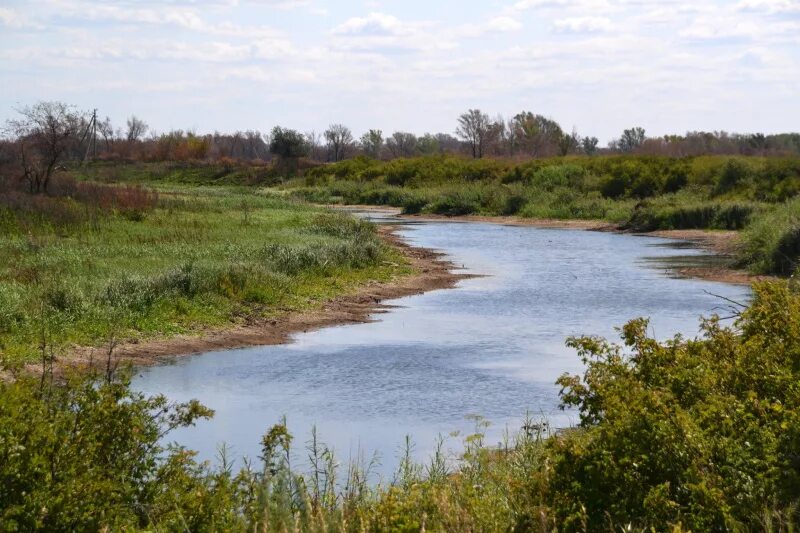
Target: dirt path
[{"x": 432, "y": 272}]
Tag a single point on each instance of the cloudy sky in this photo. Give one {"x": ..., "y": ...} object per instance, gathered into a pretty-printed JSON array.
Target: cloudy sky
[{"x": 414, "y": 65}]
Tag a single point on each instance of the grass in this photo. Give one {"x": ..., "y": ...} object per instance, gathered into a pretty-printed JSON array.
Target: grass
[
  {"x": 638, "y": 193},
  {"x": 197, "y": 257}
]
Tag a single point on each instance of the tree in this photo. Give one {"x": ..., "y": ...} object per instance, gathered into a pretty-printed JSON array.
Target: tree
[
  {"x": 339, "y": 139},
  {"x": 474, "y": 128},
  {"x": 45, "y": 133},
  {"x": 372, "y": 143},
  {"x": 402, "y": 144},
  {"x": 536, "y": 133},
  {"x": 136, "y": 128},
  {"x": 631, "y": 139},
  {"x": 106, "y": 130},
  {"x": 568, "y": 142},
  {"x": 287, "y": 144},
  {"x": 427, "y": 144},
  {"x": 447, "y": 143},
  {"x": 589, "y": 145}
]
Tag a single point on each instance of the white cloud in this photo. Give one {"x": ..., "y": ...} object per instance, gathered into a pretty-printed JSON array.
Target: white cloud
[
  {"x": 11, "y": 18},
  {"x": 583, "y": 24},
  {"x": 770, "y": 6},
  {"x": 375, "y": 24},
  {"x": 504, "y": 24}
]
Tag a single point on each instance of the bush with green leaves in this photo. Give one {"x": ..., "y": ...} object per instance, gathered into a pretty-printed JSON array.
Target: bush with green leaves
[
  {"x": 702, "y": 433},
  {"x": 684, "y": 435}
]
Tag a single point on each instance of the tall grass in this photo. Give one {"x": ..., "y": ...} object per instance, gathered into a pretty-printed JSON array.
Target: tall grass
[{"x": 199, "y": 257}]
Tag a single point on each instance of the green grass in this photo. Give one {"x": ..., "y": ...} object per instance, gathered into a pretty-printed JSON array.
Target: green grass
[
  {"x": 638, "y": 193},
  {"x": 201, "y": 257}
]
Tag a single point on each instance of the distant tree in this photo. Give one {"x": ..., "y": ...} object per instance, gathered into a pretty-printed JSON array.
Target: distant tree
[
  {"x": 315, "y": 149},
  {"x": 136, "y": 128},
  {"x": 372, "y": 143},
  {"x": 474, "y": 128},
  {"x": 758, "y": 141},
  {"x": 402, "y": 144},
  {"x": 589, "y": 145},
  {"x": 106, "y": 131},
  {"x": 339, "y": 139},
  {"x": 427, "y": 144},
  {"x": 537, "y": 134},
  {"x": 569, "y": 142},
  {"x": 45, "y": 134},
  {"x": 287, "y": 144},
  {"x": 447, "y": 143},
  {"x": 631, "y": 139}
]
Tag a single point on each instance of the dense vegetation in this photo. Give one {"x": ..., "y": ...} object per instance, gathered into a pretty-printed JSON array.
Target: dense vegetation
[
  {"x": 697, "y": 434},
  {"x": 90, "y": 263},
  {"x": 639, "y": 193}
]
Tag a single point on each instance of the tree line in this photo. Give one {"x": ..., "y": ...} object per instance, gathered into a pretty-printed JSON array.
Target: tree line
[{"x": 47, "y": 134}]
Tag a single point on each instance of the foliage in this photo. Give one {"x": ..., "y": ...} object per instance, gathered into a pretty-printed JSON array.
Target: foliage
[
  {"x": 681, "y": 435},
  {"x": 701, "y": 433}
]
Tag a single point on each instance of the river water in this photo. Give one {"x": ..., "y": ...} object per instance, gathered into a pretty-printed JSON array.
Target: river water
[{"x": 492, "y": 347}]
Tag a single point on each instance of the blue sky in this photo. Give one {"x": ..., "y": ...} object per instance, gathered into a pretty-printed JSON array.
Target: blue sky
[{"x": 599, "y": 65}]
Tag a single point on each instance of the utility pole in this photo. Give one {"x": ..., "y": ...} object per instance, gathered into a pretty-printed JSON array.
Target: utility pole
[{"x": 91, "y": 146}]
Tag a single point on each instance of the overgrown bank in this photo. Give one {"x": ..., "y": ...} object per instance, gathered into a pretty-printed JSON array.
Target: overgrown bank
[
  {"x": 92, "y": 264},
  {"x": 686, "y": 435},
  {"x": 635, "y": 193}
]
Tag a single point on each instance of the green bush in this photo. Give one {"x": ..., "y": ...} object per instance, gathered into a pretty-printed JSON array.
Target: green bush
[
  {"x": 770, "y": 243},
  {"x": 698, "y": 433}
]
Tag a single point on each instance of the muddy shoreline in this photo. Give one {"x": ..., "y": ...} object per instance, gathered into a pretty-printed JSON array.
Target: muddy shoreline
[{"x": 432, "y": 272}]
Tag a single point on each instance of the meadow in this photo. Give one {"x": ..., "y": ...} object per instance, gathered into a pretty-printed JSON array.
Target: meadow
[{"x": 92, "y": 264}]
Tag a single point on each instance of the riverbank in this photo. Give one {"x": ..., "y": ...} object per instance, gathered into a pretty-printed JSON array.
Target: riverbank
[
  {"x": 429, "y": 271},
  {"x": 718, "y": 242}
]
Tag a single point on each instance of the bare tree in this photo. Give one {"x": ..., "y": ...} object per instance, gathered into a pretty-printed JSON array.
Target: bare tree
[
  {"x": 45, "y": 134},
  {"x": 447, "y": 143},
  {"x": 136, "y": 128},
  {"x": 402, "y": 144},
  {"x": 315, "y": 149},
  {"x": 339, "y": 139},
  {"x": 372, "y": 143},
  {"x": 106, "y": 130},
  {"x": 474, "y": 127}
]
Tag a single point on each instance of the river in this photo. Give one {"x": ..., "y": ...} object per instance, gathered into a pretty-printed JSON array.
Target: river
[{"x": 493, "y": 346}]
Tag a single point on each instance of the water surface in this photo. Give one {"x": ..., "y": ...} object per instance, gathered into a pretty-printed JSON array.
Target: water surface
[{"x": 492, "y": 347}]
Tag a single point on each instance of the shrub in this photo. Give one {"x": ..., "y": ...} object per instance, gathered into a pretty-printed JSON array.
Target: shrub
[
  {"x": 699, "y": 433},
  {"x": 454, "y": 205},
  {"x": 770, "y": 243}
]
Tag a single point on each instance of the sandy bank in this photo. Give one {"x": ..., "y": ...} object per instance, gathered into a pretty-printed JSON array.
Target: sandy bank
[{"x": 431, "y": 272}]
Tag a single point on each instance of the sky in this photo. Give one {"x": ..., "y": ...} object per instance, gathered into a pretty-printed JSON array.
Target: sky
[{"x": 600, "y": 66}]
